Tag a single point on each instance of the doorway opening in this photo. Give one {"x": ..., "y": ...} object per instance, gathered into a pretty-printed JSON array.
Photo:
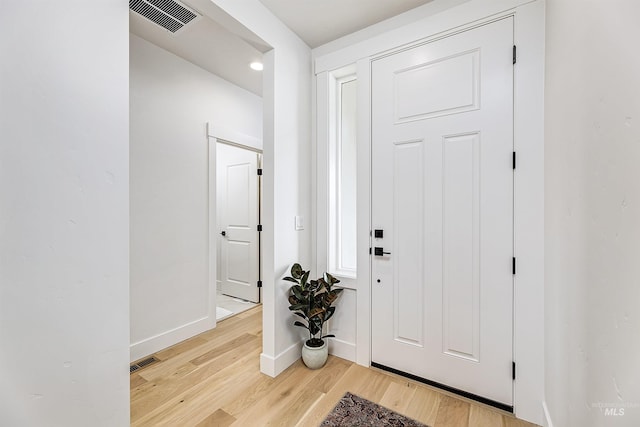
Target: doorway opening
[
  {"x": 178, "y": 82},
  {"x": 238, "y": 212}
]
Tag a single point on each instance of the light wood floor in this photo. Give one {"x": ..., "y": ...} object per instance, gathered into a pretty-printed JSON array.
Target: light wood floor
[{"x": 214, "y": 379}]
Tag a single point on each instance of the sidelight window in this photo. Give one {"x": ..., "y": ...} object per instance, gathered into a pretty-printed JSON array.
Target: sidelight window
[{"x": 342, "y": 179}]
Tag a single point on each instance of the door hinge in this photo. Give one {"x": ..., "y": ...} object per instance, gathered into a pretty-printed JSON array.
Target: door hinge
[
  {"x": 514, "y": 159},
  {"x": 514, "y": 54},
  {"x": 260, "y": 171},
  {"x": 513, "y": 266},
  {"x": 513, "y": 370},
  {"x": 259, "y": 283},
  {"x": 259, "y": 227}
]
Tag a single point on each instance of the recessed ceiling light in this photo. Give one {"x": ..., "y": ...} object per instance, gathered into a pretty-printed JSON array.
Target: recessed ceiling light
[{"x": 256, "y": 66}]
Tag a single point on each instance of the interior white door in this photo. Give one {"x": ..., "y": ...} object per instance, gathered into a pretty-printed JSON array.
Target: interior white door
[
  {"x": 238, "y": 217},
  {"x": 442, "y": 192}
]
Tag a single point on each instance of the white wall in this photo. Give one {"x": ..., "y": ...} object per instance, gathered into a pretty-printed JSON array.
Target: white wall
[
  {"x": 592, "y": 153},
  {"x": 171, "y": 101},
  {"x": 286, "y": 176},
  {"x": 64, "y": 240}
]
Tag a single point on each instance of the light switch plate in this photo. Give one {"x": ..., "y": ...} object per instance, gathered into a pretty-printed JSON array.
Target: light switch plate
[{"x": 299, "y": 223}]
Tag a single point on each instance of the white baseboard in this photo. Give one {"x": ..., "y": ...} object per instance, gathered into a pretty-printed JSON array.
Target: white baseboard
[
  {"x": 547, "y": 417},
  {"x": 267, "y": 365},
  {"x": 166, "y": 339},
  {"x": 343, "y": 349},
  {"x": 273, "y": 366}
]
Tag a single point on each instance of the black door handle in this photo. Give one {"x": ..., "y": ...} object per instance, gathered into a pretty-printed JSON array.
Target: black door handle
[
  {"x": 380, "y": 252},
  {"x": 224, "y": 233}
]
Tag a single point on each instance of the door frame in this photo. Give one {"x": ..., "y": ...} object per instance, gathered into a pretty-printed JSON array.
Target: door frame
[
  {"x": 528, "y": 300},
  {"x": 215, "y": 135}
]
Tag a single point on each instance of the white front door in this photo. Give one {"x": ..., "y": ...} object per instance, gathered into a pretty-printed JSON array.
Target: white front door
[
  {"x": 238, "y": 218},
  {"x": 442, "y": 194}
]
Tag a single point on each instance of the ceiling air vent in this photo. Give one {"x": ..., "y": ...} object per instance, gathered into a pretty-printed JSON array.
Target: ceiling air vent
[{"x": 169, "y": 14}]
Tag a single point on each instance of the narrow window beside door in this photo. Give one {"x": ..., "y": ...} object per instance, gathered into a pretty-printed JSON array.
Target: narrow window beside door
[{"x": 342, "y": 181}]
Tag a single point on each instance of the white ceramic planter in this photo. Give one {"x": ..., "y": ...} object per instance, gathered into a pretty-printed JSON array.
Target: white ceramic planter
[{"x": 315, "y": 357}]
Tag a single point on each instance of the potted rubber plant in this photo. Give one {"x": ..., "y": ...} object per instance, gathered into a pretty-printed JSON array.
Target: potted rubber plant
[{"x": 312, "y": 301}]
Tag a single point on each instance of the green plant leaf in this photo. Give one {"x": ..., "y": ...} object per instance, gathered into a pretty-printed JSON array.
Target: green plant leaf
[
  {"x": 297, "y": 291},
  {"x": 316, "y": 311},
  {"x": 295, "y": 307},
  {"x": 302, "y": 325},
  {"x": 313, "y": 328},
  {"x": 334, "y": 294},
  {"x": 330, "y": 297},
  {"x": 330, "y": 312},
  {"x": 290, "y": 279},
  {"x": 296, "y": 270},
  {"x": 328, "y": 336},
  {"x": 305, "y": 277},
  {"x": 315, "y": 286},
  {"x": 332, "y": 279}
]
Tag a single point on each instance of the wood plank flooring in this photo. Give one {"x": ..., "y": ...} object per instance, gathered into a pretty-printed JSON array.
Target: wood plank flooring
[{"x": 214, "y": 379}]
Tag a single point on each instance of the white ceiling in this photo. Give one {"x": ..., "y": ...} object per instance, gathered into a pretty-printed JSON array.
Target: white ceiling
[
  {"x": 320, "y": 21},
  {"x": 210, "y": 45}
]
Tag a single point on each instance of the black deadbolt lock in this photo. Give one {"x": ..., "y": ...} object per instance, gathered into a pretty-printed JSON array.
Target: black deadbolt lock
[{"x": 378, "y": 234}]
